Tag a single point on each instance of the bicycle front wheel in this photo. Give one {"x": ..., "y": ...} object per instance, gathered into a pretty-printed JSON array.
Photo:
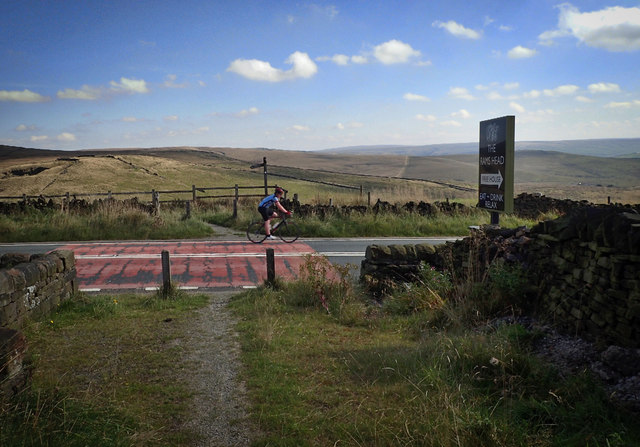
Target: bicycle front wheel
[
  {"x": 288, "y": 231},
  {"x": 255, "y": 232}
]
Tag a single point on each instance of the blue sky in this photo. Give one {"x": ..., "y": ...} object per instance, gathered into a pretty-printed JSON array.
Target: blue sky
[{"x": 313, "y": 75}]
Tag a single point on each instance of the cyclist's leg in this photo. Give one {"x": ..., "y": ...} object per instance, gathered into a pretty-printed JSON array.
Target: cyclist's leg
[{"x": 267, "y": 214}]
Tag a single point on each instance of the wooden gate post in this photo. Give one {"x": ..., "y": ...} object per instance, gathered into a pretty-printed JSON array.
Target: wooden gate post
[
  {"x": 166, "y": 272},
  {"x": 271, "y": 266}
]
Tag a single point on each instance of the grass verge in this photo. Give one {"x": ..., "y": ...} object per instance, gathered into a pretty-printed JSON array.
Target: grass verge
[
  {"x": 326, "y": 368},
  {"x": 117, "y": 220},
  {"x": 107, "y": 371}
]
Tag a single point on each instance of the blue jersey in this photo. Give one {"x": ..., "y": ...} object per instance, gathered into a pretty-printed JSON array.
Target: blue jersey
[{"x": 268, "y": 201}]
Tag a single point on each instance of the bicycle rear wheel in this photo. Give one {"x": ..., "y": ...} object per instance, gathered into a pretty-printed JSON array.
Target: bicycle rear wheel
[
  {"x": 255, "y": 232},
  {"x": 288, "y": 231}
]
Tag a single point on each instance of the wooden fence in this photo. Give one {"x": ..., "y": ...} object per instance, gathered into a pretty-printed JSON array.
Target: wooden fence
[{"x": 155, "y": 194}]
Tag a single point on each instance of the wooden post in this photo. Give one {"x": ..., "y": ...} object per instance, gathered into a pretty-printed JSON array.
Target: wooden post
[
  {"x": 166, "y": 271},
  {"x": 266, "y": 187},
  {"x": 360, "y": 190},
  {"x": 193, "y": 192},
  {"x": 330, "y": 202},
  {"x": 108, "y": 195},
  {"x": 495, "y": 218},
  {"x": 155, "y": 201},
  {"x": 68, "y": 200},
  {"x": 188, "y": 209},
  {"x": 271, "y": 266},
  {"x": 235, "y": 202},
  {"x": 369, "y": 198}
]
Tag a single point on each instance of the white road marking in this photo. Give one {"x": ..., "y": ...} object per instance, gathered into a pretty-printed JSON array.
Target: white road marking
[{"x": 223, "y": 255}]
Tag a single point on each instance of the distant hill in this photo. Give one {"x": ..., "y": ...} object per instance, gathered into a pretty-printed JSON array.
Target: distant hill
[{"x": 610, "y": 147}]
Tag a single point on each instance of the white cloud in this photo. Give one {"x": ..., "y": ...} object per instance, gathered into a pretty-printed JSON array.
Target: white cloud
[
  {"x": 129, "y": 86},
  {"x": 460, "y": 92},
  {"x": 521, "y": 52},
  {"x": 338, "y": 59},
  {"x": 85, "y": 93},
  {"x": 300, "y": 128},
  {"x": 415, "y": 97},
  {"x": 170, "y": 82},
  {"x": 511, "y": 85},
  {"x": 614, "y": 29},
  {"x": 494, "y": 96},
  {"x": 451, "y": 123},
  {"x": 350, "y": 125},
  {"x": 39, "y": 138},
  {"x": 623, "y": 105},
  {"x": 247, "y": 112},
  {"x": 533, "y": 94},
  {"x": 359, "y": 59},
  {"x": 457, "y": 30},
  {"x": 462, "y": 113},
  {"x": 517, "y": 107},
  {"x": 130, "y": 119},
  {"x": 22, "y": 96},
  {"x": 171, "y": 118},
  {"x": 604, "y": 87},
  {"x": 257, "y": 70},
  {"x": 562, "y": 90},
  {"x": 505, "y": 28},
  {"x": 428, "y": 118},
  {"x": 24, "y": 127},
  {"x": 583, "y": 99},
  {"x": 395, "y": 52},
  {"x": 66, "y": 136}
]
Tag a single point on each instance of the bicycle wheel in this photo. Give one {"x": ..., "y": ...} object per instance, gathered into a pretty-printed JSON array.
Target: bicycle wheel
[
  {"x": 288, "y": 231},
  {"x": 255, "y": 232}
]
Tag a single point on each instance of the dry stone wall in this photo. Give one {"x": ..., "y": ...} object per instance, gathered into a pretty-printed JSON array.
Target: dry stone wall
[
  {"x": 33, "y": 285},
  {"x": 30, "y": 286},
  {"x": 583, "y": 269}
]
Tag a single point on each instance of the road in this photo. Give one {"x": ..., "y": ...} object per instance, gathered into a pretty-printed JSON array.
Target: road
[{"x": 200, "y": 264}]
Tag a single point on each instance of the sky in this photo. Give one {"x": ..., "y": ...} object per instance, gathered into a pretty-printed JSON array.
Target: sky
[{"x": 305, "y": 75}]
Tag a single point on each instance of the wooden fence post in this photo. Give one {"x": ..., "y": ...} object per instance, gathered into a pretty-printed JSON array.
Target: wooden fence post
[
  {"x": 166, "y": 272},
  {"x": 155, "y": 201},
  {"x": 193, "y": 192},
  {"x": 188, "y": 209},
  {"x": 235, "y": 203},
  {"x": 369, "y": 199},
  {"x": 266, "y": 187},
  {"x": 271, "y": 266}
]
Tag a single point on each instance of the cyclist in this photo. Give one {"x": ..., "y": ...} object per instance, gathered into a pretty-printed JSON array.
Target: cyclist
[{"x": 266, "y": 209}]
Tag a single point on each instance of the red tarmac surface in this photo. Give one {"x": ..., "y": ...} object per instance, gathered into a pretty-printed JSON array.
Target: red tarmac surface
[{"x": 201, "y": 264}]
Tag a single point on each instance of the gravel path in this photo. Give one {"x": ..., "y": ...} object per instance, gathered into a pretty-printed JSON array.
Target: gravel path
[{"x": 220, "y": 415}]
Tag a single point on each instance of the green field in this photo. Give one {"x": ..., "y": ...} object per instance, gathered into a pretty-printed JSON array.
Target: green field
[{"x": 555, "y": 174}]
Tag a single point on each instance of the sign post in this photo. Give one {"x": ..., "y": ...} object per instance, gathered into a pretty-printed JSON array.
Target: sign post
[{"x": 495, "y": 182}]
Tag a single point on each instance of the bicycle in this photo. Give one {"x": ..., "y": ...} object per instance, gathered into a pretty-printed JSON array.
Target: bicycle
[{"x": 287, "y": 230}]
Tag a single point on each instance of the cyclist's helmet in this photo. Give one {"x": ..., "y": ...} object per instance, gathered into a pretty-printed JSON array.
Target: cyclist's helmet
[{"x": 279, "y": 190}]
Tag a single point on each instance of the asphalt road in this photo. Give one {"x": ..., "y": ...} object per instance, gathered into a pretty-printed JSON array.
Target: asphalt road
[{"x": 200, "y": 264}]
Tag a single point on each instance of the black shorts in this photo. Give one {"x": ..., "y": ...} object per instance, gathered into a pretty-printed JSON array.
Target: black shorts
[{"x": 266, "y": 212}]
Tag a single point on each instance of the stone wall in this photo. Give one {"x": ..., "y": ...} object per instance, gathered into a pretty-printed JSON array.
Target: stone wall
[
  {"x": 583, "y": 268},
  {"x": 33, "y": 285},
  {"x": 30, "y": 286}
]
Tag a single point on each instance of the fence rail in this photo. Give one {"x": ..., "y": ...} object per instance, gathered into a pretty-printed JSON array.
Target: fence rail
[{"x": 153, "y": 193}]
